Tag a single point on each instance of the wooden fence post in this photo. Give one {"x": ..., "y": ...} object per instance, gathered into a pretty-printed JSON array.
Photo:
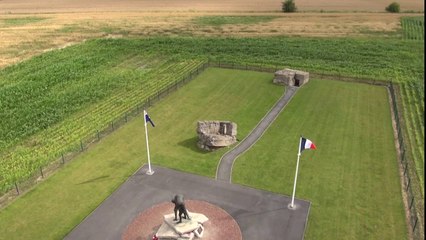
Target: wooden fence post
[
  {"x": 16, "y": 187},
  {"x": 415, "y": 224}
]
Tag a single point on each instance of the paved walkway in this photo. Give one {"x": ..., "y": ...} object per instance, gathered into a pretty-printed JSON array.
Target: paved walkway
[
  {"x": 259, "y": 214},
  {"x": 224, "y": 169}
]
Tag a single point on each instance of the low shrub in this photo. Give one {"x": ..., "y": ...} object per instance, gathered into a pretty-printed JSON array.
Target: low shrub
[
  {"x": 393, "y": 7},
  {"x": 289, "y": 6}
]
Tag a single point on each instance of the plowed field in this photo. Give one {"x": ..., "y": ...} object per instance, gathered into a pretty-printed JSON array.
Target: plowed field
[{"x": 196, "y": 5}]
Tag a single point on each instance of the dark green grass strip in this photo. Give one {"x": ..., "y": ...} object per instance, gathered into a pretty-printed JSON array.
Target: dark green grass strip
[
  {"x": 352, "y": 178},
  {"x": 222, "y": 20},
  {"x": 55, "y": 206},
  {"x": 8, "y": 22}
]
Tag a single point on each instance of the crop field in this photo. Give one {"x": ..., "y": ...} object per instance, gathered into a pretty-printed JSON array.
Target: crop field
[
  {"x": 60, "y": 98},
  {"x": 25, "y": 35},
  {"x": 57, "y": 99},
  {"x": 413, "y": 28},
  {"x": 195, "y": 5}
]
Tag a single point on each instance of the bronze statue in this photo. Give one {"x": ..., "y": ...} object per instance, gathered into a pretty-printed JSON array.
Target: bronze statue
[{"x": 180, "y": 206}]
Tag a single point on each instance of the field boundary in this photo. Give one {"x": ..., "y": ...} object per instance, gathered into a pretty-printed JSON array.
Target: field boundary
[
  {"x": 23, "y": 186},
  {"x": 409, "y": 184},
  {"x": 409, "y": 179}
]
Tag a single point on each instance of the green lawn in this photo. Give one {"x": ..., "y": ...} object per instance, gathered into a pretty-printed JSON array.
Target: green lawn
[
  {"x": 351, "y": 179},
  {"x": 55, "y": 206}
]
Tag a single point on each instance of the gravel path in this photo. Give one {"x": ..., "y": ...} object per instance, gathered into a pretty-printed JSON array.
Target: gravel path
[{"x": 224, "y": 169}]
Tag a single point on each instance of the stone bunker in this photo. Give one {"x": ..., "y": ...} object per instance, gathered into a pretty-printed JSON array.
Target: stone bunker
[
  {"x": 291, "y": 77},
  {"x": 216, "y": 134}
]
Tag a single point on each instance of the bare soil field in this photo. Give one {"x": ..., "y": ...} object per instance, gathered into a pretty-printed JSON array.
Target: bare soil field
[
  {"x": 30, "y": 27},
  {"x": 25, "y": 35},
  {"x": 43, "y": 6}
]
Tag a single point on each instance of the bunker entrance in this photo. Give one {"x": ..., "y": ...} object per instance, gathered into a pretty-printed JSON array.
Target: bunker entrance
[{"x": 297, "y": 82}]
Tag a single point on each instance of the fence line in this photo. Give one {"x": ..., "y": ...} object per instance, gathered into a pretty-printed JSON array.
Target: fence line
[
  {"x": 414, "y": 203},
  {"x": 267, "y": 68},
  {"x": 20, "y": 187}
]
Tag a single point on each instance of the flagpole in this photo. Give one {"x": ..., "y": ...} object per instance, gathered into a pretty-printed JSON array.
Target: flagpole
[
  {"x": 295, "y": 176},
  {"x": 149, "y": 172}
]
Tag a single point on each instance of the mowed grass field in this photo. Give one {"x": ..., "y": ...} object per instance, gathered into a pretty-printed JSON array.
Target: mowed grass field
[
  {"x": 55, "y": 206},
  {"x": 352, "y": 178}
]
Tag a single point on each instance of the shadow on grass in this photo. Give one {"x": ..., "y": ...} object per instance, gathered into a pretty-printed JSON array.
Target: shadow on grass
[
  {"x": 101, "y": 178},
  {"x": 191, "y": 144}
]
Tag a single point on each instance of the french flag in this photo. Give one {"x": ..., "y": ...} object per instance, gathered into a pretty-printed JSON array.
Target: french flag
[{"x": 306, "y": 144}]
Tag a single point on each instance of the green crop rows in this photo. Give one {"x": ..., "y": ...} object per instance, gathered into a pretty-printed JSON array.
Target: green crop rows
[
  {"x": 223, "y": 20},
  {"x": 411, "y": 93},
  {"x": 412, "y": 99},
  {"x": 51, "y": 102},
  {"x": 413, "y": 28}
]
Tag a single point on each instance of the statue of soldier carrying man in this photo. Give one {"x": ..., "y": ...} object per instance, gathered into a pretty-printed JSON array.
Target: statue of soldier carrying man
[{"x": 180, "y": 206}]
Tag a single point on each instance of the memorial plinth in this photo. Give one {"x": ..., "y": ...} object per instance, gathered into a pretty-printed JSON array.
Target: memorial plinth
[
  {"x": 220, "y": 224},
  {"x": 187, "y": 229}
]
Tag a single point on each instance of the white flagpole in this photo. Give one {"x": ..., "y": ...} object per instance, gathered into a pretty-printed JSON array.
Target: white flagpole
[
  {"x": 149, "y": 172},
  {"x": 295, "y": 177}
]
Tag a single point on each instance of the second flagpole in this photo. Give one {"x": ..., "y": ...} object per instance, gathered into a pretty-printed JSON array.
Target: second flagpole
[
  {"x": 149, "y": 172},
  {"x": 295, "y": 176}
]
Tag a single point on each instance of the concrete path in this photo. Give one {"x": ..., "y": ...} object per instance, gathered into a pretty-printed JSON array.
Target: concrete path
[
  {"x": 259, "y": 214},
  {"x": 224, "y": 169}
]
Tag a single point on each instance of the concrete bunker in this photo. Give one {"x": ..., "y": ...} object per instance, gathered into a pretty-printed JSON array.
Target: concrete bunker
[
  {"x": 216, "y": 134},
  {"x": 291, "y": 77}
]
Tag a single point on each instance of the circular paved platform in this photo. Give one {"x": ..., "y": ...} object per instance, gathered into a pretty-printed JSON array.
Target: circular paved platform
[
  {"x": 220, "y": 225},
  {"x": 258, "y": 213}
]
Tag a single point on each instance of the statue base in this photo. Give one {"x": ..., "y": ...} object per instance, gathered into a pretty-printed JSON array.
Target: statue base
[
  {"x": 220, "y": 224},
  {"x": 187, "y": 229}
]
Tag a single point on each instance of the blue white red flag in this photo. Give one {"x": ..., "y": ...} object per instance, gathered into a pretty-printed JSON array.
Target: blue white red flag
[
  {"x": 148, "y": 119},
  {"x": 306, "y": 144}
]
